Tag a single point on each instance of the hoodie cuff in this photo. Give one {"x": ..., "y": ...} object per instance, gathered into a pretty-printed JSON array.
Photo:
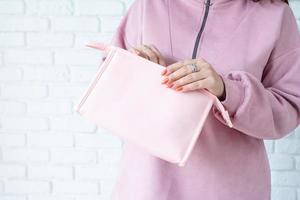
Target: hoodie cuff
[{"x": 234, "y": 94}]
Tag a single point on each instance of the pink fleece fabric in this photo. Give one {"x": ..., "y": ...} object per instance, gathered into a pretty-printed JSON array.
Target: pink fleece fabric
[{"x": 255, "y": 47}]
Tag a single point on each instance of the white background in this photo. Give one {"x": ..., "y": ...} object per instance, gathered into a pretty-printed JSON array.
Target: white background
[{"x": 47, "y": 152}]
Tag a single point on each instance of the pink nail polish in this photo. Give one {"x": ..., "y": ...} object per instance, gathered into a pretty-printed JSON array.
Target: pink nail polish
[
  {"x": 164, "y": 72},
  {"x": 165, "y": 81},
  {"x": 178, "y": 88},
  {"x": 136, "y": 52},
  {"x": 170, "y": 85}
]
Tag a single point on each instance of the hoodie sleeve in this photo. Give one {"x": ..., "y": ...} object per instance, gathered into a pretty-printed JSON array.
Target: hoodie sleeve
[
  {"x": 128, "y": 32},
  {"x": 268, "y": 108}
]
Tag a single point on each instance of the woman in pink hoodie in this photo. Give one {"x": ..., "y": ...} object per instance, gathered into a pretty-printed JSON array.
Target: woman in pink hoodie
[{"x": 245, "y": 52}]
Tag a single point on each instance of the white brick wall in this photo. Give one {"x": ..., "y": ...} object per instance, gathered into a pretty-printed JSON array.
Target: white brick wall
[{"x": 48, "y": 152}]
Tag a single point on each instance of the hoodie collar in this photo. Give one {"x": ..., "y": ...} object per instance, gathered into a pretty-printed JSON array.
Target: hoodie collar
[{"x": 213, "y": 3}]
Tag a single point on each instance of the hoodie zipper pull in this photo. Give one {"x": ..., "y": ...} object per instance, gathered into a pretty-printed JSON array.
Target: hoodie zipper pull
[{"x": 208, "y": 2}]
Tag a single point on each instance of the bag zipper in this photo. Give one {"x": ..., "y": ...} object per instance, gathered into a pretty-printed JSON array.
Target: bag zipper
[
  {"x": 92, "y": 84},
  {"x": 207, "y": 4}
]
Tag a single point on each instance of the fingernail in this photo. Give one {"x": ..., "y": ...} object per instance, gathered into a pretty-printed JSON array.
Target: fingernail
[
  {"x": 165, "y": 81},
  {"x": 178, "y": 88},
  {"x": 136, "y": 52},
  {"x": 164, "y": 72},
  {"x": 170, "y": 85}
]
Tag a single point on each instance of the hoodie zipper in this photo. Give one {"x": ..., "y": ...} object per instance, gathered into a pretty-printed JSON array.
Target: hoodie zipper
[{"x": 207, "y": 4}]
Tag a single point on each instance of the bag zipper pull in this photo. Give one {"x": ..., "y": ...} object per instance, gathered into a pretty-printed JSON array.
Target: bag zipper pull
[{"x": 99, "y": 46}]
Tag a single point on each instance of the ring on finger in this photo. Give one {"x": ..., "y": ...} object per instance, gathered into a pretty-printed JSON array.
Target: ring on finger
[{"x": 193, "y": 67}]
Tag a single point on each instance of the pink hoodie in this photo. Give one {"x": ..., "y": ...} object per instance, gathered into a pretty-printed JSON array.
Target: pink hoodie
[{"x": 255, "y": 47}]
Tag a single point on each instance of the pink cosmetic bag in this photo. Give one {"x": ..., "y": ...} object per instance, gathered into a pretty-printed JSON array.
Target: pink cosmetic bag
[{"x": 126, "y": 97}]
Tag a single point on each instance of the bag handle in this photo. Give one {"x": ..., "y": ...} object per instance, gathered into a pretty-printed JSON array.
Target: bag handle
[
  {"x": 99, "y": 45},
  {"x": 224, "y": 112},
  {"x": 221, "y": 108}
]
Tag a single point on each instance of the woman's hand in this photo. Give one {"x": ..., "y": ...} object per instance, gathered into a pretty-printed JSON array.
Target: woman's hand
[
  {"x": 181, "y": 77},
  {"x": 149, "y": 52}
]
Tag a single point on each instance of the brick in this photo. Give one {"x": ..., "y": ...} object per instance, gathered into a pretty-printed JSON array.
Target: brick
[
  {"x": 110, "y": 23},
  {"x": 298, "y": 162},
  {"x": 12, "y": 197},
  {"x": 1, "y": 59},
  {"x": 50, "y": 172},
  {"x": 96, "y": 140},
  {"x": 9, "y": 39},
  {"x": 78, "y": 57},
  {"x": 10, "y": 74},
  {"x": 287, "y": 146},
  {"x": 110, "y": 155},
  {"x": 24, "y": 155},
  {"x": 283, "y": 193},
  {"x": 11, "y": 7},
  {"x": 75, "y": 187},
  {"x": 80, "y": 24},
  {"x": 52, "y": 8},
  {"x": 54, "y": 74},
  {"x": 69, "y": 156},
  {"x": 50, "y": 107},
  {"x": 49, "y": 39},
  {"x": 22, "y": 23},
  {"x": 72, "y": 123},
  {"x": 281, "y": 162},
  {"x": 50, "y": 197},
  {"x": 24, "y": 91},
  {"x": 91, "y": 197},
  {"x": 94, "y": 7},
  {"x": 291, "y": 135},
  {"x": 128, "y": 2},
  {"x": 27, "y": 57},
  {"x": 27, "y": 187},
  {"x": 107, "y": 187},
  {"x": 12, "y": 140},
  {"x": 10, "y": 107},
  {"x": 24, "y": 123},
  {"x": 49, "y": 140},
  {"x": 65, "y": 91},
  {"x": 295, "y": 5},
  {"x": 12, "y": 171},
  {"x": 82, "y": 74},
  {"x": 285, "y": 178},
  {"x": 269, "y": 145},
  {"x": 297, "y": 132},
  {"x": 96, "y": 172},
  {"x": 1, "y": 187}
]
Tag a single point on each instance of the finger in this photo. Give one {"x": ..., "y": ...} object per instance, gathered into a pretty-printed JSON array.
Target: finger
[
  {"x": 173, "y": 67},
  {"x": 200, "y": 84},
  {"x": 134, "y": 50},
  {"x": 181, "y": 72},
  {"x": 161, "y": 61},
  {"x": 190, "y": 78},
  {"x": 178, "y": 74},
  {"x": 184, "y": 71},
  {"x": 151, "y": 54},
  {"x": 142, "y": 53}
]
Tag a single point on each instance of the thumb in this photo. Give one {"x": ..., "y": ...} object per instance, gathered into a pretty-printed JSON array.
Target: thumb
[{"x": 135, "y": 51}]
